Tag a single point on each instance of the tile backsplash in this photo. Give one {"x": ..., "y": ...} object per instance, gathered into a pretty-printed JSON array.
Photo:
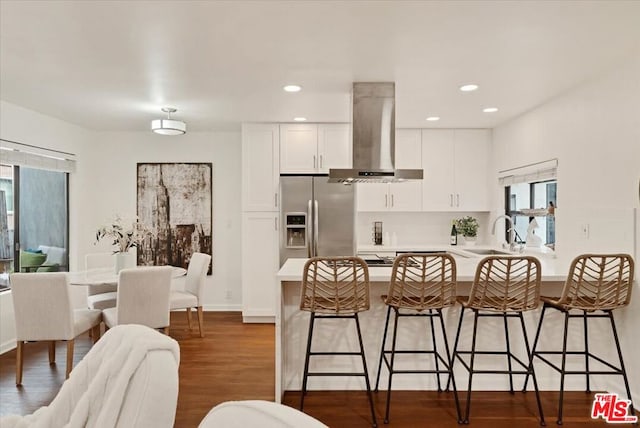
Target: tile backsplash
[{"x": 416, "y": 228}]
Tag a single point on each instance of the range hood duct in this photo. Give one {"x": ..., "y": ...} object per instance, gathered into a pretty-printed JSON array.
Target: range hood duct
[{"x": 373, "y": 137}]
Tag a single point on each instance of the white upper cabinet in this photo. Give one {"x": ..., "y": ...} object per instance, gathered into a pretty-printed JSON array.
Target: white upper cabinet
[
  {"x": 334, "y": 146},
  {"x": 402, "y": 197},
  {"x": 408, "y": 149},
  {"x": 313, "y": 148},
  {"x": 455, "y": 166},
  {"x": 472, "y": 169},
  {"x": 260, "y": 167}
]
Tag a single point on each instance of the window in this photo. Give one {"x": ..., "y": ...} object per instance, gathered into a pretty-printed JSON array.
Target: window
[{"x": 526, "y": 202}]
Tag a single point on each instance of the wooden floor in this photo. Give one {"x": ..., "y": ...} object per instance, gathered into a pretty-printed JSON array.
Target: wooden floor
[{"x": 235, "y": 361}]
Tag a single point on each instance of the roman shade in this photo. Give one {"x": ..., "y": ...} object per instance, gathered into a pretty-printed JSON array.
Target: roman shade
[
  {"x": 531, "y": 173},
  {"x": 14, "y": 153}
]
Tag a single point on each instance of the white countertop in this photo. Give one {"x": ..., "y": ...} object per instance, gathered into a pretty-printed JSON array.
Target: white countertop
[{"x": 465, "y": 266}]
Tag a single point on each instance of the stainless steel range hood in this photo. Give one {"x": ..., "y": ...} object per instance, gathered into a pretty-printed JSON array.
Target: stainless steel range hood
[{"x": 373, "y": 137}]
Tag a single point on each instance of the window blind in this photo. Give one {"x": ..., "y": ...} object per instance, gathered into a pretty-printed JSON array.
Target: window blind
[
  {"x": 531, "y": 173},
  {"x": 14, "y": 153}
]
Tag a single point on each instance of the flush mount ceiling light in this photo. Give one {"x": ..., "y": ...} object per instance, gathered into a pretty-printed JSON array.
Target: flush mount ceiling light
[
  {"x": 168, "y": 126},
  {"x": 433, "y": 118},
  {"x": 299, "y": 119},
  {"x": 468, "y": 88},
  {"x": 292, "y": 88},
  {"x": 490, "y": 109}
]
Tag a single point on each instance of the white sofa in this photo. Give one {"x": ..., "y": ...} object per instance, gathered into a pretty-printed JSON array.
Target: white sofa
[{"x": 129, "y": 379}]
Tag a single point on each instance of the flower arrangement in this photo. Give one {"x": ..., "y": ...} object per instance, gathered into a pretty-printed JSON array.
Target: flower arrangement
[
  {"x": 125, "y": 235},
  {"x": 467, "y": 226}
]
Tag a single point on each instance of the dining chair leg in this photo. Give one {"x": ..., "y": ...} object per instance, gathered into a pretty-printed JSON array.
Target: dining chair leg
[
  {"x": 70, "y": 344},
  {"x": 165, "y": 330},
  {"x": 200, "y": 321},
  {"x": 95, "y": 333},
  {"x": 52, "y": 351},
  {"x": 189, "y": 318},
  {"x": 19, "y": 361}
]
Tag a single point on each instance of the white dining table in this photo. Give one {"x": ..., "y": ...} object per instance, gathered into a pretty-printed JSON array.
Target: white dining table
[{"x": 108, "y": 276}]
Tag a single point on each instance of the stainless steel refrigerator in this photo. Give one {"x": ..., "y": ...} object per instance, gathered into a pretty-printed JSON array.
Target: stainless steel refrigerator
[{"x": 318, "y": 217}]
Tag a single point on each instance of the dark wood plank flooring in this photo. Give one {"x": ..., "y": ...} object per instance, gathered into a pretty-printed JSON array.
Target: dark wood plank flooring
[{"x": 235, "y": 361}]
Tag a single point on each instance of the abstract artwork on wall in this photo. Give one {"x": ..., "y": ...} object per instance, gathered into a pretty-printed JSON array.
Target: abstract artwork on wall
[{"x": 174, "y": 203}]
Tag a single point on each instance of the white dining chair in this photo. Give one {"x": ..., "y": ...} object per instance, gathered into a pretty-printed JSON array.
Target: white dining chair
[
  {"x": 191, "y": 296},
  {"x": 142, "y": 298},
  {"x": 43, "y": 312},
  {"x": 97, "y": 265}
]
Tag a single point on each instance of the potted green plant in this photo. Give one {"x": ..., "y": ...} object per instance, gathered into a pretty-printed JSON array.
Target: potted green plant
[{"x": 468, "y": 227}]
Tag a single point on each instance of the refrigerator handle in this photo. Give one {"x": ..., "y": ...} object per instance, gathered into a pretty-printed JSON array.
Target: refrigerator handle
[
  {"x": 309, "y": 217},
  {"x": 315, "y": 228}
]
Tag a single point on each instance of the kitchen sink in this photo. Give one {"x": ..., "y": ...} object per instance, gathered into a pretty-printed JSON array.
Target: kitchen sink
[{"x": 487, "y": 251}]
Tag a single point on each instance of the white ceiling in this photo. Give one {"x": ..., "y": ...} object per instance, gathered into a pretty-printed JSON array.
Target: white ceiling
[{"x": 111, "y": 65}]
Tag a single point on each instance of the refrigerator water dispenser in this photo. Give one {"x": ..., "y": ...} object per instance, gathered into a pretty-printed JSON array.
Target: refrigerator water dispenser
[{"x": 295, "y": 230}]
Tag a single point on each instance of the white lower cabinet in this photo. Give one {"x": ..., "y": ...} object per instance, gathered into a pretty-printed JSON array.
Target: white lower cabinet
[{"x": 260, "y": 264}]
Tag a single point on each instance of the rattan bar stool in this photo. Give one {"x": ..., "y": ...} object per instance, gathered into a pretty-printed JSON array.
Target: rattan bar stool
[
  {"x": 335, "y": 287},
  {"x": 505, "y": 287},
  {"x": 597, "y": 284},
  {"x": 421, "y": 286}
]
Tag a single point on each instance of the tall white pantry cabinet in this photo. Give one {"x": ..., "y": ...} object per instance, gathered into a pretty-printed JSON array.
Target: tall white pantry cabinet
[{"x": 260, "y": 220}]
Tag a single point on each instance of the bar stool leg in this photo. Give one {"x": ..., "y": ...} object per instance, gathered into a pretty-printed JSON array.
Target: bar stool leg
[
  {"x": 450, "y": 367},
  {"x": 393, "y": 357},
  {"x": 535, "y": 344},
  {"x": 586, "y": 349},
  {"x": 531, "y": 370},
  {"x": 305, "y": 374},
  {"x": 506, "y": 338},
  {"x": 455, "y": 344},
  {"x": 622, "y": 369},
  {"x": 435, "y": 349},
  {"x": 384, "y": 341},
  {"x": 473, "y": 354},
  {"x": 366, "y": 373},
  {"x": 563, "y": 366}
]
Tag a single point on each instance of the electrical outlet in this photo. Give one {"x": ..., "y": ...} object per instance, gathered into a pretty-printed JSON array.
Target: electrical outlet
[
  {"x": 584, "y": 230},
  {"x": 228, "y": 295}
]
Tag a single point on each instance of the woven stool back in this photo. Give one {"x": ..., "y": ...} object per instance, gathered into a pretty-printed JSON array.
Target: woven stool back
[
  {"x": 506, "y": 283},
  {"x": 422, "y": 281},
  {"x": 598, "y": 281},
  {"x": 335, "y": 285}
]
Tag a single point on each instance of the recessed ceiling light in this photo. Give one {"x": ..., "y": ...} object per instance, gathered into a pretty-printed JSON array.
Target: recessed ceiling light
[
  {"x": 468, "y": 88},
  {"x": 433, "y": 118},
  {"x": 299, "y": 119},
  {"x": 292, "y": 88},
  {"x": 490, "y": 109}
]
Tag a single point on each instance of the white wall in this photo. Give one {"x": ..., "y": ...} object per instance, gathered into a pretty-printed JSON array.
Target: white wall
[
  {"x": 105, "y": 184},
  {"x": 594, "y": 131},
  {"x": 25, "y": 126},
  {"x": 110, "y": 171}
]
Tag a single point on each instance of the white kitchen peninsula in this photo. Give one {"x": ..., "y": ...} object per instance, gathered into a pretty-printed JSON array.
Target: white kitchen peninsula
[{"x": 292, "y": 327}]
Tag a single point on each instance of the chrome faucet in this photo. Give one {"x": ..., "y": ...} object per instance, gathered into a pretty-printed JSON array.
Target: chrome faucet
[{"x": 512, "y": 231}]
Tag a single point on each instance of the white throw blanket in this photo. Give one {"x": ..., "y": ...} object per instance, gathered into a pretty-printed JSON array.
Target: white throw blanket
[{"x": 94, "y": 393}]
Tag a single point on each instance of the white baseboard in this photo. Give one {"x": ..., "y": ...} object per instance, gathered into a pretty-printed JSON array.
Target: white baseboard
[
  {"x": 7, "y": 346},
  {"x": 223, "y": 308},
  {"x": 249, "y": 319}
]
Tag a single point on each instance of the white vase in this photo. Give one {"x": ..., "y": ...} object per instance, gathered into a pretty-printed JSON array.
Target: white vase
[
  {"x": 124, "y": 261},
  {"x": 469, "y": 240}
]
